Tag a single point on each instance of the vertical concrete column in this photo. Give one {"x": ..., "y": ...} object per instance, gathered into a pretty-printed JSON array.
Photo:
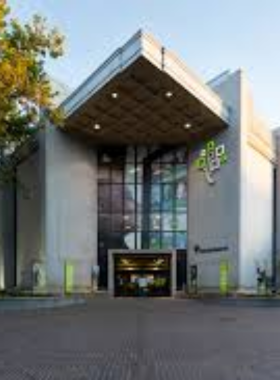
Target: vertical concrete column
[
  {"x": 277, "y": 208},
  {"x": 70, "y": 209},
  {"x": 7, "y": 236},
  {"x": 214, "y": 209},
  {"x": 30, "y": 251}
]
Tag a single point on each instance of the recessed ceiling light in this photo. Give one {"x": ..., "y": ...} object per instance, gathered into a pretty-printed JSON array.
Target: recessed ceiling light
[
  {"x": 97, "y": 127},
  {"x": 187, "y": 125},
  {"x": 169, "y": 94},
  {"x": 115, "y": 95}
]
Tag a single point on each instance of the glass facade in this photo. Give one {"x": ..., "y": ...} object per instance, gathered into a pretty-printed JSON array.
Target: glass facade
[{"x": 142, "y": 200}]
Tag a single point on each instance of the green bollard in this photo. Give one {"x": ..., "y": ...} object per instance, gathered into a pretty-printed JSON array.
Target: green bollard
[
  {"x": 68, "y": 277},
  {"x": 224, "y": 277}
]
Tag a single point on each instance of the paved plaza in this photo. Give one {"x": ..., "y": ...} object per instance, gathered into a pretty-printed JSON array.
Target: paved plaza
[{"x": 141, "y": 339}]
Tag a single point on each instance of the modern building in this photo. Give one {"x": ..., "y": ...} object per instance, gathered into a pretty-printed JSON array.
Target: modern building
[{"x": 157, "y": 180}]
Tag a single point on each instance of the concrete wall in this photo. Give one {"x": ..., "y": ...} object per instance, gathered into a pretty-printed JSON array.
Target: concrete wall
[
  {"x": 70, "y": 208},
  {"x": 213, "y": 214},
  {"x": 257, "y": 218},
  {"x": 237, "y": 211},
  {"x": 7, "y": 236},
  {"x": 256, "y": 213},
  {"x": 2, "y": 274},
  {"x": 30, "y": 250},
  {"x": 277, "y": 196}
]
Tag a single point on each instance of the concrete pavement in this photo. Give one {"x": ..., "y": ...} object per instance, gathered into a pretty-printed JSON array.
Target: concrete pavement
[{"x": 110, "y": 339}]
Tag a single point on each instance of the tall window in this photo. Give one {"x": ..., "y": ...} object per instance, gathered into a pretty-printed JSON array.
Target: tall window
[{"x": 142, "y": 199}]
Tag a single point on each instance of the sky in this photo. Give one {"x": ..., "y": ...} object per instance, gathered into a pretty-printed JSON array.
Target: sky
[{"x": 210, "y": 36}]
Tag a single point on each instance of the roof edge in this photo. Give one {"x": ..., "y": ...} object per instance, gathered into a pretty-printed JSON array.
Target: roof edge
[{"x": 143, "y": 44}]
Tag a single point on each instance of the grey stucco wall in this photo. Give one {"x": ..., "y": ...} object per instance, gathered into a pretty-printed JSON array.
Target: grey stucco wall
[
  {"x": 7, "y": 236},
  {"x": 256, "y": 193},
  {"x": 70, "y": 208},
  {"x": 213, "y": 214},
  {"x": 237, "y": 211},
  {"x": 30, "y": 248},
  {"x": 256, "y": 218},
  {"x": 2, "y": 277},
  {"x": 277, "y": 211}
]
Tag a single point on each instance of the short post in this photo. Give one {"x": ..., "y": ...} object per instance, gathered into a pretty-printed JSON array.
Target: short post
[
  {"x": 94, "y": 277},
  {"x": 261, "y": 281},
  {"x": 68, "y": 277},
  {"x": 194, "y": 279},
  {"x": 38, "y": 277},
  {"x": 224, "y": 277}
]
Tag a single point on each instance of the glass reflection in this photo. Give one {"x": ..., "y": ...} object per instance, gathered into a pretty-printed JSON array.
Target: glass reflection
[
  {"x": 181, "y": 240},
  {"x": 181, "y": 196},
  {"x": 180, "y": 173},
  {"x": 142, "y": 200},
  {"x": 129, "y": 222},
  {"x": 156, "y": 173},
  {"x": 155, "y": 197},
  {"x": 155, "y": 222},
  {"x": 168, "y": 173},
  {"x": 129, "y": 198},
  {"x": 167, "y": 221},
  {"x": 117, "y": 198},
  {"x": 104, "y": 173},
  {"x": 180, "y": 222},
  {"x": 167, "y": 240},
  {"x": 155, "y": 240},
  {"x": 130, "y": 173},
  {"x": 168, "y": 197}
]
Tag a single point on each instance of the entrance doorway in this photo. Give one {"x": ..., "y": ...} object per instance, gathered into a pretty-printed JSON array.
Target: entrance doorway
[{"x": 145, "y": 274}]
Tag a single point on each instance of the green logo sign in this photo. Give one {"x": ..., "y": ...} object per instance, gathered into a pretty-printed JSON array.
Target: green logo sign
[{"x": 210, "y": 159}]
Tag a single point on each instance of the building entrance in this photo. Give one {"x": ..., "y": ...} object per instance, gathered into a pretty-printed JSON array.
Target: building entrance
[
  {"x": 146, "y": 275},
  {"x": 142, "y": 200}
]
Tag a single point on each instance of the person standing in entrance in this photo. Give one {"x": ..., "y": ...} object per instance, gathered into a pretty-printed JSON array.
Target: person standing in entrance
[
  {"x": 94, "y": 277},
  {"x": 142, "y": 283}
]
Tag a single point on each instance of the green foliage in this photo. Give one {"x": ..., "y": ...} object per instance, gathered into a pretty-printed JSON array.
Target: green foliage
[{"x": 25, "y": 89}]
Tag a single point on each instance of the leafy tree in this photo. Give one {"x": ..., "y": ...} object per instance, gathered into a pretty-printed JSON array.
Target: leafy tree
[{"x": 25, "y": 88}]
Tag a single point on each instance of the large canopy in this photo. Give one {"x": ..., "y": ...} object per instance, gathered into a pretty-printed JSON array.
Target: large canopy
[{"x": 143, "y": 94}]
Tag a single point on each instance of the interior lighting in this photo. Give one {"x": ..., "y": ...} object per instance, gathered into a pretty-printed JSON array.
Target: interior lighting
[{"x": 169, "y": 94}]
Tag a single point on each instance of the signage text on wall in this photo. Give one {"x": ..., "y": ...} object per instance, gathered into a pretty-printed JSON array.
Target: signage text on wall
[
  {"x": 210, "y": 159},
  {"x": 199, "y": 249}
]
